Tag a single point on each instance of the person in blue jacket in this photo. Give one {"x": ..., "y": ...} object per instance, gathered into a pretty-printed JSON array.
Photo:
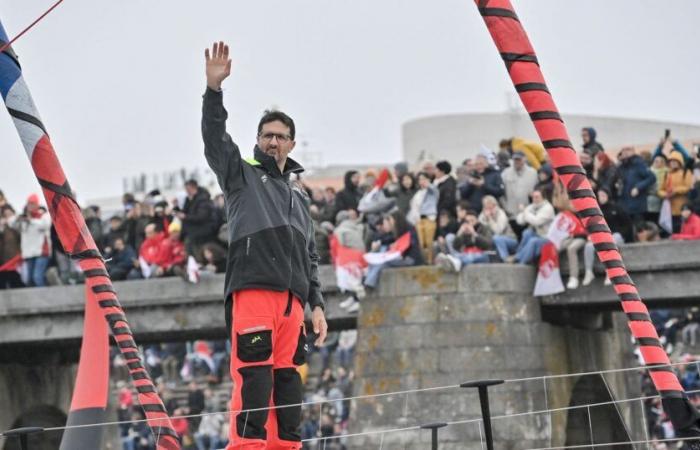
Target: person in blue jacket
[{"x": 634, "y": 179}]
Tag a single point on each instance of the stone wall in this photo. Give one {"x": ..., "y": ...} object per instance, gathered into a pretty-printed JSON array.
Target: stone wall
[{"x": 424, "y": 329}]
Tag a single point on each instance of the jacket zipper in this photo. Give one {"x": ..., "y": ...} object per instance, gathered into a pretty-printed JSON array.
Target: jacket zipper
[
  {"x": 289, "y": 224},
  {"x": 247, "y": 246}
]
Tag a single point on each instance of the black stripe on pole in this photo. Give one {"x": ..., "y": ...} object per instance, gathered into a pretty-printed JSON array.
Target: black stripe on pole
[
  {"x": 120, "y": 331},
  {"x": 590, "y": 212},
  {"x": 570, "y": 170},
  {"x": 614, "y": 264},
  {"x": 604, "y": 246},
  {"x": 127, "y": 343},
  {"x": 598, "y": 228},
  {"x": 134, "y": 365},
  {"x": 519, "y": 57},
  {"x": 545, "y": 115},
  {"x": 639, "y": 317},
  {"x": 101, "y": 288},
  {"x": 140, "y": 376},
  {"x": 95, "y": 273},
  {"x": 27, "y": 118},
  {"x": 146, "y": 389},
  {"x": 116, "y": 317},
  {"x": 559, "y": 143},
  {"x": 527, "y": 87},
  {"x": 498, "y": 12},
  {"x": 581, "y": 193},
  {"x": 622, "y": 279},
  {"x": 131, "y": 355},
  {"x": 648, "y": 342},
  {"x": 630, "y": 297},
  {"x": 108, "y": 303},
  {"x": 153, "y": 407}
]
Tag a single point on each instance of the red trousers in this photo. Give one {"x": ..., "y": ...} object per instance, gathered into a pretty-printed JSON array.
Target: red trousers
[{"x": 268, "y": 343}]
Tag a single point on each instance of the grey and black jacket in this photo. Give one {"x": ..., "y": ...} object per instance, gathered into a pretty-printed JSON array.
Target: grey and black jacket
[{"x": 271, "y": 235}]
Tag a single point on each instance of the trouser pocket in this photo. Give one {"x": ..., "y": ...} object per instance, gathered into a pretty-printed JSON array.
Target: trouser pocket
[
  {"x": 254, "y": 341},
  {"x": 299, "y": 357}
]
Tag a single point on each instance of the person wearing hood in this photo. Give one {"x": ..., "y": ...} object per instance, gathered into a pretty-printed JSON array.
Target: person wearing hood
[
  {"x": 690, "y": 228},
  {"x": 198, "y": 219},
  {"x": 534, "y": 151},
  {"x": 590, "y": 144},
  {"x": 348, "y": 197},
  {"x": 676, "y": 146},
  {"x": 447, "y": 186},
  {"x": 634, "y": 179},
  {"x": 676, "y": 186},
  {"x": 485, "y": 180},
  {"x": 545, "y": 183}
]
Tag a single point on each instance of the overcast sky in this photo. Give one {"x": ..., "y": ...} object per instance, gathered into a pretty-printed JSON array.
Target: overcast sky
[{"x": 119, "y": 82}]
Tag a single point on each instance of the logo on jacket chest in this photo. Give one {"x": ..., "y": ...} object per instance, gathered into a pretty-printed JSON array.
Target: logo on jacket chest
[{"x": 263, "y": 178}]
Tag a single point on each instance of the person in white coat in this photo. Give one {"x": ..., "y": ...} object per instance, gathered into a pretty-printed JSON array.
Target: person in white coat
[
  {"x": 518, "y": 180},
  {"x": 34, "y": 226}
]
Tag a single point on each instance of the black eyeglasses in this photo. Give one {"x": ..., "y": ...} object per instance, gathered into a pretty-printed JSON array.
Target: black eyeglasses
[{"x": 281, "y": 138}]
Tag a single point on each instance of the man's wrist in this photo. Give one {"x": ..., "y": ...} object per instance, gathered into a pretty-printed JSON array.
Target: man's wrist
[{"x": 214, "y": 87}]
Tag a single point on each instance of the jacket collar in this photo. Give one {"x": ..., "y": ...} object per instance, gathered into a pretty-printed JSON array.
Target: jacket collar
[{"x": 270, "y": 165}]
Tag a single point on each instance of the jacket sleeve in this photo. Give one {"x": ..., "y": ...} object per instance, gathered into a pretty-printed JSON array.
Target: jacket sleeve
[
  {"x": 222, "y": 154},
  {"x": 315, "y": 296},
  {"x": 647, "y": 178},
  {"x": 465, "y": 190},
  {"x": 493, "y": 185},
  {"x": 677, "y": 146}
]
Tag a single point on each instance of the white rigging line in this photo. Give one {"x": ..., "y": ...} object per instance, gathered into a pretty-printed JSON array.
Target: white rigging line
[{"x": 397, "y": 393}]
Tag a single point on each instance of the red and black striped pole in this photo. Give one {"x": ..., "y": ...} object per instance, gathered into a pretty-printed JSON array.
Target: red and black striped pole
[
  {"x": 524, "y": 70},
  {"x": 90, "y": 396}
]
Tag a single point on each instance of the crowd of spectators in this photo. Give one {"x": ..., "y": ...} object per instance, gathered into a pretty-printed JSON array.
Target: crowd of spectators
[{"x": 496, "y": 206}]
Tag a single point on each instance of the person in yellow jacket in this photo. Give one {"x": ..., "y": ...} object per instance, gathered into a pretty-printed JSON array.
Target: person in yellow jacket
[
  {"x": 534, "y": 151},
  {"x": 675, "y": 188}
]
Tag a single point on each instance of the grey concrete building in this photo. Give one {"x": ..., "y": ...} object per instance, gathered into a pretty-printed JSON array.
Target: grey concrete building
[{"x": 458, "y": 136}]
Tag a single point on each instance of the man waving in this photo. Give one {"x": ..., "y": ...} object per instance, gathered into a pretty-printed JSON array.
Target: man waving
[{"x": 272, "y": 269}]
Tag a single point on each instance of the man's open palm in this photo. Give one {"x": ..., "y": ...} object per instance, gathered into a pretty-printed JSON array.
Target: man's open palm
[{"x": 218, "y": 65}]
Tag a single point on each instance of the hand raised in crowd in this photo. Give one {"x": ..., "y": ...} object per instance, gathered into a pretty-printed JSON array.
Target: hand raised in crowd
[
  {"x": 634, "y": 192},
  {"x": 218, "y": 65}
]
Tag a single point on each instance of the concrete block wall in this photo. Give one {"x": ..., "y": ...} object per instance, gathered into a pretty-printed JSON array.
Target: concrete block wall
[{"x": 422, "y": 328}]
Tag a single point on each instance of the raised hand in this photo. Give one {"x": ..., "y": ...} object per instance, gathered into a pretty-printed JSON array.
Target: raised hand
[{"x": 218, "y": 65}]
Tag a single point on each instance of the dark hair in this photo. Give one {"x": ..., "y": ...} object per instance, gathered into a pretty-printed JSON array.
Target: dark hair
[
  {"x": 409, "y": 175},
  {"x": 401, "y": 225},
  {"x": 464, "y": 204},
  {"x": 471, "y": 212},
  {"x": 192, "y": 182},
  {"x": 277, "y": 116},
  {"x": 424, "y": 174},
  {"x": 444, "y": 167}
]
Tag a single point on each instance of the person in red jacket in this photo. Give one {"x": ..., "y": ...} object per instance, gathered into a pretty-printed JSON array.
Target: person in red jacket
[
  {"x": 171, "y": 253},
  {"x": 148, "y": 253},
  {"x": 690, "y": 229}
]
